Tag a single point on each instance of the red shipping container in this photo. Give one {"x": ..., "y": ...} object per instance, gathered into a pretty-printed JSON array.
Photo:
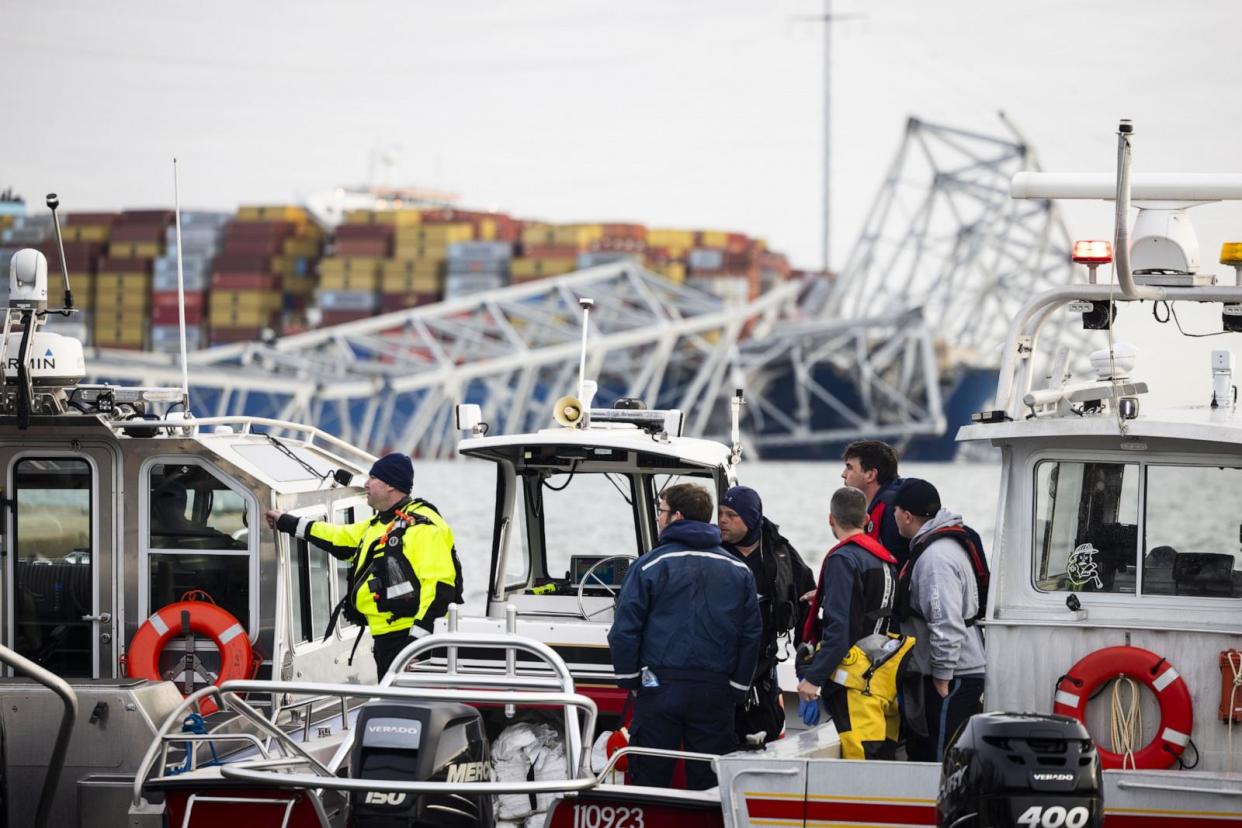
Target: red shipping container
[
  {"x": 252, "y": 247},
  {"x": 138, "y": 232},
  {"x": 245, "y": 281},
  {"x": 241, "y": 263},
  {"x": 168, "y": 298},
  {"x": 368, "y": 232},
  {"x": 340, "y": 317},
  {"x": 148, "y": 216},
  {"x": 550, "y": 251},
  {"x": 223, "y": 336},
  {"x": 400, "y": 301},
  {"x": 381, "y": 248},
  {"x": 171, "y": 315},
  {"x": 259, "y": 230},
  {"x": 79, "y": 256},
  {"x": 108, "y": 264},
  {"x": 632, "y": 232},
  {"x": 90, "y": 219}
]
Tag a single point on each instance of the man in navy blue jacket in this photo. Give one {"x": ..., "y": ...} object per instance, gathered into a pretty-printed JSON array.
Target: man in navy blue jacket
[{"x": 686, "y": 637}]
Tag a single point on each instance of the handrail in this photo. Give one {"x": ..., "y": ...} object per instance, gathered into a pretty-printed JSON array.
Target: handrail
[
  {"x": 60, "y": 747},
  {"x": 1014, "y": 378},
  {"x": 342, "y": 783},
  {"x": 223, "y": 699},
  {"x": 577, "y": 749},
  {"x": 634, "y": 750},
  {"x": 173, "y": 738},
  {"x": 312, "y": 432}
]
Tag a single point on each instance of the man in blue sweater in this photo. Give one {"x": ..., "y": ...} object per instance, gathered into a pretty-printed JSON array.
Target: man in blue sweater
[{"x": 686, "y": 636}]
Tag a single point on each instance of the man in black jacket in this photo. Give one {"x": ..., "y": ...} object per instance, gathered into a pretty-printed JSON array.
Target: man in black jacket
[
  {"x": 856, "y": 663},
  {"x": 685, "y": 636},
  {"x": 781, "y": 577}
]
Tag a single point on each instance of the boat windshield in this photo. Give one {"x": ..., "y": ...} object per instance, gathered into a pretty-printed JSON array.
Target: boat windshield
[{"x": 599, "y": 514}]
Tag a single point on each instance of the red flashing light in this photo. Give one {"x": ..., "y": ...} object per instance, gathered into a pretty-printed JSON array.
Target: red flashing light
[{"x": 1093, "y": 252}]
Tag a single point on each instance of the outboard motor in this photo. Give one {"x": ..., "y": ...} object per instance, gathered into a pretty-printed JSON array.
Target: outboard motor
[
  {"x": 1021, "y": 769},
  {"x": 416, "y": 742}
]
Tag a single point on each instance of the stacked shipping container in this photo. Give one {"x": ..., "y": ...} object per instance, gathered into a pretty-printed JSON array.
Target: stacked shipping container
[{"x": 261, "y": 268}]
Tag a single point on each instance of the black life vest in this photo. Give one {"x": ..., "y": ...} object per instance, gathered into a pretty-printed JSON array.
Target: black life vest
[{"x": 970, "y": 543}]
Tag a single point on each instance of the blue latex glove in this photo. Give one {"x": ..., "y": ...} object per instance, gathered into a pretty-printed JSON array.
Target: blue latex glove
[{"x": 809, "y": 711}]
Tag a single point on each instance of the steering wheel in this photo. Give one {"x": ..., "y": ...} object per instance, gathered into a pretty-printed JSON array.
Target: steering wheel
[{"x": 588, "y": 575}]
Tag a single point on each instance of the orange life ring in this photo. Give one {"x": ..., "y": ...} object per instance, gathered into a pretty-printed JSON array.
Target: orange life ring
[
  {"x": 215, "y": 622},
  {"x": 1176, "y": 713}
]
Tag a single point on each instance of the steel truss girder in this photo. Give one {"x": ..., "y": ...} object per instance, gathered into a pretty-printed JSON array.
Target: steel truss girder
[{"x": 391, "y": 381}]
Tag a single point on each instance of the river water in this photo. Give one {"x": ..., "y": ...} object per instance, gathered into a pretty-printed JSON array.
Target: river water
[{"x": 795, "y": 495}]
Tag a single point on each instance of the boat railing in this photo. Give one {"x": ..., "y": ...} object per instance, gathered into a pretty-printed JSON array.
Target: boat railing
[
  {"x": 246, "y": 425},
  {"x": 55, "y": 763},
  {"x": 283, "y": 756}
]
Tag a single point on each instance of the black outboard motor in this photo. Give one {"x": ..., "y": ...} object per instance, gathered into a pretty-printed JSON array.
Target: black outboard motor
[
  {"x": 415, "y": 742},
  {"x": 1021, "y": 769}
]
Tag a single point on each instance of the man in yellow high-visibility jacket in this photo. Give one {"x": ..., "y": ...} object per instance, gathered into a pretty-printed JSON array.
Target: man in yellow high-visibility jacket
[{"x": 405, "y": 569}]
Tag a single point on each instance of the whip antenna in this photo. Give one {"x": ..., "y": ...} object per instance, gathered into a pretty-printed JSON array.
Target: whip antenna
[{"x": 185, "y": 367}]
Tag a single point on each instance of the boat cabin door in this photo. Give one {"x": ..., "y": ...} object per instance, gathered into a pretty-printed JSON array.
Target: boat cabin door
[{"x": 59, "y": 523}]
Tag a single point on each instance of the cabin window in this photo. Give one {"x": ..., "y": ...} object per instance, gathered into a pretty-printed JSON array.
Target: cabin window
[
  {"x": 586, "y": 514},
  {"x": 53, "y": 541},
  {"x": 198, "y": 539},
  {"x": 340, "y": 569},
  {"x": 311, "y": 573},
  {"x": 1086, "y": 526},
  {"x": 1191, "y": 543}
]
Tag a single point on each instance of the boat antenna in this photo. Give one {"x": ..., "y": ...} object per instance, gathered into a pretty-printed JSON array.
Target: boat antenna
[
  {"x": 52, "y": 203},
  {"x": 586, "y": 305},
  {"x": 735, "y": 411},
  {"x": 185, "y": 366}
]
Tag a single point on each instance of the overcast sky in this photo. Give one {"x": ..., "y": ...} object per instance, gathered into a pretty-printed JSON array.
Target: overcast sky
[{"x": 691, "y": 114}]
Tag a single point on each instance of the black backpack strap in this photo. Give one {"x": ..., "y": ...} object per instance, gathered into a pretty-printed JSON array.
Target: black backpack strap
[{"x": 356, "y": 575}]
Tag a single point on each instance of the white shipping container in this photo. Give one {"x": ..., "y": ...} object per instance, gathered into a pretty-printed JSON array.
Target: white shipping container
[
  {"x": 167, "y": 338},
  {"x": 480, "y": 251},
  {"x": 195, "y": 282},
  {"x": 346, "y": 300},
  {"x": 467, "y": 284},
  {"x": 602, "y": 257},
  {"x": 703, "y": 258}
]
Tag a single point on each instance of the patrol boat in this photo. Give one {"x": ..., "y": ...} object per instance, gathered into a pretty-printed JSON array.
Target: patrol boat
[
  {"x": 128, "y": 559},
  {"x": 1106, "y": 603}
]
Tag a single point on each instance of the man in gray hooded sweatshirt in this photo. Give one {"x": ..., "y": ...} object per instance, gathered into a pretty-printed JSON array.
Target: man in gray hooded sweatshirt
[{"x": 938, "y": 601}]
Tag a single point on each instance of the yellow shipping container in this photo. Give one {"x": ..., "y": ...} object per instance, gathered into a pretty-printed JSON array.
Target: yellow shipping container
[
  {"x": 399, "y": 218},
  {"x": 340, "y": 265},
  {"x": 223, "y": 300},
  {"x": 272, "y": 212},
  {"x": 349, "y": 280},
  {"x": 86, "y": 233},
  {"x": 303, "y": 248},
  {"x": 679, "y": 239},
  {"x": 6, "y": 221},
  {"x": 121, "y": 301},
  {"x": 435, "y": 234},
  {"x": 538, "y": 235},
  {"x": 487, "y": 230},
  {"x": 412, "y": 251},
  {"x": 135, "y": 250},
  {"x": 411, "y": 283},
  {"x": 520, "y": 269},
  {"x": 241, "y": 317},
  {"x": 410, "y": 266},
  {"x": 577, "y": 235},
  {"x": 123, "y": 283},
  {"x": 127, "y": 336},
  {"x": 713, "y": 238}
]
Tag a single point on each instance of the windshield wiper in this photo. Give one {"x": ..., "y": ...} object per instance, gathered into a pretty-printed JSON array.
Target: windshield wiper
[{"x": 289, "y": 453}]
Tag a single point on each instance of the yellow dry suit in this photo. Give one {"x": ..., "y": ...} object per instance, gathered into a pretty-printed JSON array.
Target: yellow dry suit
[{"x": 866, "y": 714}]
